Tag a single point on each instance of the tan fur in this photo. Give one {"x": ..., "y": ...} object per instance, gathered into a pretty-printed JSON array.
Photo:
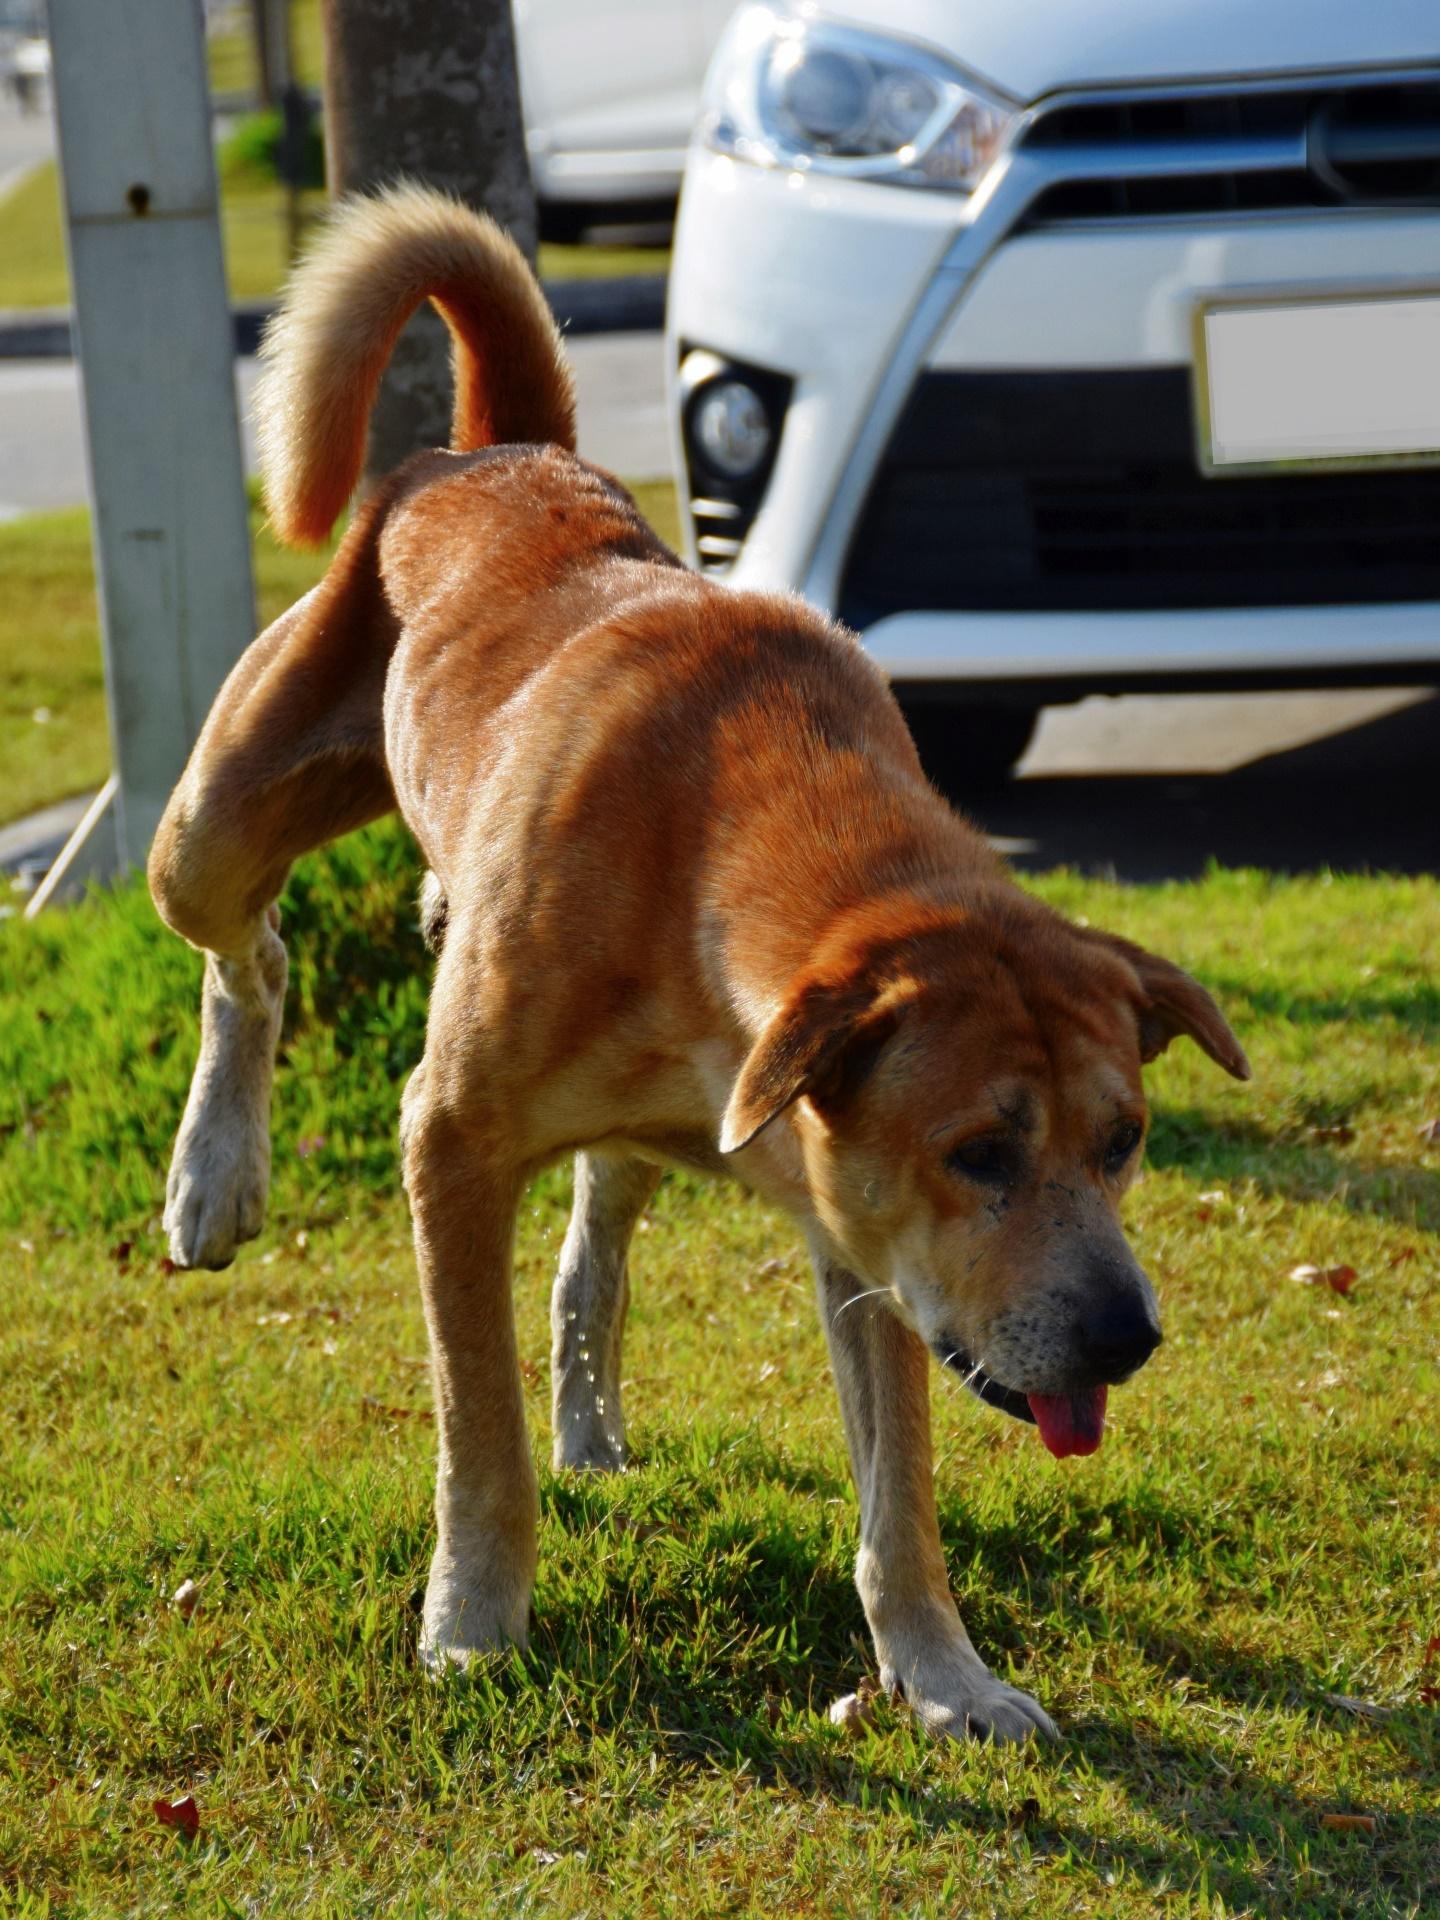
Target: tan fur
[
  {"x": 373, "y": 264},
  {"x": 696, "y": 903}
]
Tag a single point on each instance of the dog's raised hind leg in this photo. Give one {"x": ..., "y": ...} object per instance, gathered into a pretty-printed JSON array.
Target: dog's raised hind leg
[
  {"x": 220, "y": 1169},
  {"x": 291, "y": 756},
  {"x": 588, "y": 1306}
]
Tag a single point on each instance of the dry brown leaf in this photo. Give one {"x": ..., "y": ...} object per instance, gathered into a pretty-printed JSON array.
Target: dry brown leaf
[
  {"x": 1363, "y": 1709},
  {"x": 1430, "y": 1132},
  {"x": 183, "y": 1815},
  {"x": 1348, "y": 1822},
  {"x": 1341, "y": 1135},
  {"x": 1338, "y": 1279},
  {"x": 852, "y": 1714},
  {"x": 380, "y": 1410}
]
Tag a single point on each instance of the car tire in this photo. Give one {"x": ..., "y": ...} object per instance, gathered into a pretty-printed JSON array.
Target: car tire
[{"x": 966, "y": 748}]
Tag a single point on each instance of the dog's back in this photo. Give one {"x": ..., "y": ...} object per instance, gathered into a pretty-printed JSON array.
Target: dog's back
[{"x": 519, "y": 585}]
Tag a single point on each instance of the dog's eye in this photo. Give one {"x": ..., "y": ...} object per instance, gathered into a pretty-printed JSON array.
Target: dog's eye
[
  {"x": 1123, "y": 1143},
  {"x": 990, "y": 1160}
]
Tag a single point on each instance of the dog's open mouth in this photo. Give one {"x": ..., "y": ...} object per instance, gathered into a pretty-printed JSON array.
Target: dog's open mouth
[
  {"x": 990, "y": 1391},
  {"x": 1069, "y": 1423}
]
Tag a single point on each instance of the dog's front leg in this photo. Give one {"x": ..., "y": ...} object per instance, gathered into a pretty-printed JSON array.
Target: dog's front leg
[
  {"x": 882, "y": 1373},
  {"x": 487, "y": 1502}
]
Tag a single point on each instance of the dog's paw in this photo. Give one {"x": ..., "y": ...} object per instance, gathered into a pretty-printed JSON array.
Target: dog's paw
[
  {"x": 467, "y": 1618},
  {"x": 999, "y": 1713},
  {"x": 972, "y": 1705},
  {"x": 215, "y": 1196},
  {"x": 583, "y": 1446}
]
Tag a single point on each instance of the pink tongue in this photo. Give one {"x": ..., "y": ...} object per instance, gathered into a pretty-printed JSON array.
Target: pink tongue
[{"x": 1070, "y": 1422}]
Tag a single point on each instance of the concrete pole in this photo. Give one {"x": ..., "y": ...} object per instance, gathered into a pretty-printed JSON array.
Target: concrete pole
[
  {"x": 428, "y": 90},
  {"x": 154, "y": 341}
]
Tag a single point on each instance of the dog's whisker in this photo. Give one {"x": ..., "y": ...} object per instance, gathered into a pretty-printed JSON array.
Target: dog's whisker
[{"x": 868, "y": 1293}]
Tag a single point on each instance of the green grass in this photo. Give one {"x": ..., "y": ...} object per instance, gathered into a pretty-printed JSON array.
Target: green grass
[
  {"x": 50, "y": 646},
  {"x": 50, "y": 653},
  {"x": 1257, "y": 1534},
  {"x": 32, "y": 247},
  {"x": 253, "y": 223},
  {"x": 231, "y": 49}
]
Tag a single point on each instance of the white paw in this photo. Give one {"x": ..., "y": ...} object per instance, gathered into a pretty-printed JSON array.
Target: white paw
[
  {"x": 219, "y": 1179},
  {"x": 975, "y": 1707},
  {"x": 467, "y": 1617},
  {"x": 586, "y": 1447},
  {"x": 220, "y": 1170}
]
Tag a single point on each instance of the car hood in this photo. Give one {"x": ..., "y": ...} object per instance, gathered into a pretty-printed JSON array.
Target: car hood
[{"x": 1033, "y": 47}]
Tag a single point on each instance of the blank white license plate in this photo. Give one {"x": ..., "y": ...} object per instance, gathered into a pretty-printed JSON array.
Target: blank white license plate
[{"x": 1325, "y": 382}]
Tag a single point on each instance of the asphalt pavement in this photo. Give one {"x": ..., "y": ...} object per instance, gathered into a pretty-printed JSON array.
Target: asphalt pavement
[
  {"x": 619, "y": 378},
  {"x": 1157, "y": 788}
]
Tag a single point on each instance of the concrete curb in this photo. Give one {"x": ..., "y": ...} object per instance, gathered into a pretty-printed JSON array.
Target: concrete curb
[{"x": 628, "y": 303}]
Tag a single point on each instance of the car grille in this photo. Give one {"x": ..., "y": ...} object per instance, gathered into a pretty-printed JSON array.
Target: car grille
[
  {"x": 1238, "y": 151},
  {"x": 1068, "y": 491}
]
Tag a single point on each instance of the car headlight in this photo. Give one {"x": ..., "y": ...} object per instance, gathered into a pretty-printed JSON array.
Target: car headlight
[{"x": 794, "y": 90}]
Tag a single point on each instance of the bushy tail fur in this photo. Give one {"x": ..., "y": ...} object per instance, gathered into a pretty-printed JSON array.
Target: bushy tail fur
[{"x": 378, "y": 257}]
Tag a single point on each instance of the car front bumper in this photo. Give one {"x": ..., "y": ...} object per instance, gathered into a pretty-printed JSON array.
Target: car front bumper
[{"x": 870, "y": 295}]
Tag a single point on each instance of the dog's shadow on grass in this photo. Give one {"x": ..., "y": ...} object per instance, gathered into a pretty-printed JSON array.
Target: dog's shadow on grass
[
  {"x": 712, "y": 1627},
  {"x": 1292, "y": 1163}
]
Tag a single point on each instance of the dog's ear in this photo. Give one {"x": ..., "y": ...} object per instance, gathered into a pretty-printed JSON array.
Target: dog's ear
[
  {"x": 1172, "y": 1003},
  {"x": 823, "y": 1042}
]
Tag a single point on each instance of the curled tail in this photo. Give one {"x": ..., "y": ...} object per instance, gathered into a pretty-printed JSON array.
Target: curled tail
[{"x": 378, "y": 257}]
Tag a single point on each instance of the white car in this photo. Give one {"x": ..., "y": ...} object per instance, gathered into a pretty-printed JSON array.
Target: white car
[
  {"x": 610, "y": 91},
  {"x": 1066, "y": 348}
]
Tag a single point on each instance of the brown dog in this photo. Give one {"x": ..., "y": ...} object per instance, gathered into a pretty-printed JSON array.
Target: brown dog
[{"x": 699, "y": 906}]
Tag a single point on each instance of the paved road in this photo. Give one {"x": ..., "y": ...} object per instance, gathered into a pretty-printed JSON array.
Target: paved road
[
  {"x": 620, "y": 379},
  {"x": 1156, "y": 788},
  {"x": 25, "y": 138},
  {"x": 1146, "y": 787}
]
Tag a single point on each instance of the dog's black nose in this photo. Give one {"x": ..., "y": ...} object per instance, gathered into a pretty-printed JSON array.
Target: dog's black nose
[{"x": 1117, "y": 1337}]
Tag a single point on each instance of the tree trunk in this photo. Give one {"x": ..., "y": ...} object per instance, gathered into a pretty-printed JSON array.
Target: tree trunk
[{"x": 426, "y": 90}]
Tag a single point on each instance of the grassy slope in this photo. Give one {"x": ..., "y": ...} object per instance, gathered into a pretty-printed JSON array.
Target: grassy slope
[
  {"x": 50, "y": 653},
  {"x": 50, "y": 647},
  {"x": 1258, "y": 1531}
]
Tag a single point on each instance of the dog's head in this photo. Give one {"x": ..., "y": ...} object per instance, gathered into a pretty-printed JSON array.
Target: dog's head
[{"x": 970, "y": 1112}]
